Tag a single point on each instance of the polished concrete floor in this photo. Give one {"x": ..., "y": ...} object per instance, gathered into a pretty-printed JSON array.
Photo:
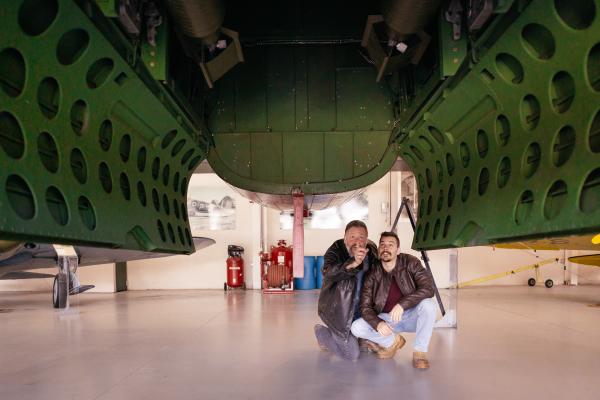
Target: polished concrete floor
[{"x": 511, "y": 343}]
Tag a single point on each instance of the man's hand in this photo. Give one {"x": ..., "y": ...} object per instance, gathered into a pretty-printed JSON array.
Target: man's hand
[
  {"x": 396, "y": 313},
  {"x": 384, "y": 329},
  {"x": 359, "y": 254}
]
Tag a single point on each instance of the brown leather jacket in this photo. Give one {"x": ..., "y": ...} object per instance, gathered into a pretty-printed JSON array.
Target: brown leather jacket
[{"x": 414, "y": 281}]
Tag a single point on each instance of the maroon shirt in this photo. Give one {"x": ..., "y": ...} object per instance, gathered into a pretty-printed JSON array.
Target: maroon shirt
[{"x": 394, "y": 297}]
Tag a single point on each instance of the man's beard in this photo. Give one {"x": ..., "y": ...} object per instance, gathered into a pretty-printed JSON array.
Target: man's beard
[{"x": 382, "y": 255}]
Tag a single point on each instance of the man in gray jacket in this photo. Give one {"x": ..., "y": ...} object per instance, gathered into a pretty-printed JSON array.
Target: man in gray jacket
[{"x": 346, "y": 262}]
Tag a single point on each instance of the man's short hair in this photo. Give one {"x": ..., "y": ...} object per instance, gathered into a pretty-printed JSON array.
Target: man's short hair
[
  {"x": 390, "y": 234},
  {"x": 356, "y": 224}
]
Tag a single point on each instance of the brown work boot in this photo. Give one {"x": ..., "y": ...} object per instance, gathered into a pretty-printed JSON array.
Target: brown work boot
[
  {"x": 366, "y": 346},
  {"x": 389, "y": 352},
  {"x": 420, "y": 360}
]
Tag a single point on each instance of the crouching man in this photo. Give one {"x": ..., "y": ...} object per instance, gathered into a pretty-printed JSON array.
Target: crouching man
[{"x": 397, "y": 297}]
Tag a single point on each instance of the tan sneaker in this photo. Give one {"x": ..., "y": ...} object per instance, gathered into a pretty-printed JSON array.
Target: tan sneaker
[
  {"x": 389, "y": 352},
  {"x": 420, "y": 360}
]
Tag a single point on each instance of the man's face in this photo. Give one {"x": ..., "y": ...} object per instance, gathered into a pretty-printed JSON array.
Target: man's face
[
  {"x": 388, "y": 248},
  {"x": 354, "y": 238}
]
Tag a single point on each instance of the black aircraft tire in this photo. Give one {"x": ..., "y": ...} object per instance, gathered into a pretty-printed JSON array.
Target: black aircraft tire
[
  {"x": 549, "y": 283},
  {"x": 531, "y": 282},
  {"x": 59, "y": 300}
]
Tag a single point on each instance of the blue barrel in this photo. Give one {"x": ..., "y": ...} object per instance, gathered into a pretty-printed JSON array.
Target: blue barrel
[
  {"x": 320, "y": 262},
  {"x": 309, "y": 281}
]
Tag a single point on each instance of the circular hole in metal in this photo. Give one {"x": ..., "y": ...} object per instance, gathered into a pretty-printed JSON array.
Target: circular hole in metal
[
  {"x": 184, "y": 212},
  {"x": 166, "y": 174},
  {"x": 429, "y": 204},
  {"x": 87, "y": 213},
  {"x": 538, "y": 41},
  {"x": 417, "y": 153},
  {"x": 12, "y": 72},
  {"x": 177, "y": 148},
  {"x": 531, "y": 160},
  {"x": 184, "y": 187},
  {"x": 155, "y": 200},
  {"x": 440, "y": 201},
  {"x": 524, "y": 207},
  {"x": 195, "y": 161},
  {"x": 20, "y": 197},
  {"x": 125, "y": 148},
  {"x": 99, "y": 72},
  {"x": 78, "y": 165},
  {"x": 105, "y": 135},
  {"x": 446, "y": 227},
  {"x": 125, "y": 186},
  {"x": 593, "y": 67},
  {"x": 436, "y": 229},
  {"x": 594, "y": 134},
  {"x": 421, "y": 183},
  {"x": 483, "y": 144},
  {"x": 188, "y": 236},
  {"x": 422, "y": 208},
  {"x": 171, "y": 232},
  {"x": 436, "y": 134},
  {"x": 79, "y": 117},
  {"x": 188, "y": 154},
  {"x": 48, "y": 97},
  {"x": 141, "y": 159},
  {"x": 555, "y": 199},
  {"x": 418, "y": 234},
  {"x": 465, "y": 154},
  {"x": 176, "y": 182},
  {"x": 530, "y": 111},
  {"x": 429, "y": 177},
  {"x": 141, "y": 191},
  {"x": 563, "y": 146},
  {"x": 48, "y": 152},
  {"x": 71, "y": 46},
  {"x": 502, "y": 130},
  {"x": 175, "y": 208},
  {"x": 577, "y": 14},
  {"x": 166, "y": 207},
  {"x": 466, "y": 189},
  {"x": 161, "y": 230},
  {"x": 504, "y": 170},
  {"x": 484, "y": 181},
  {"x": 57, "y": 206},
  {"x": 155, "y": 168},
  {"x": 589, "y": 199},
  {"x": 451, "y": 195},
  {"x": 12, "y": 140},
  {"x": 450, "y": 165},
  {"x": 168, "y": 139},
  {"x": 426, "y": 232},
  {"x": 427, "y": 144},
  {"x": 439, "y": 171},
  {"x": 105, "y": 177},
  {"x": 509, "y": 68},
  {"x": 181, "y": 237},
  {"x": 562, "y": 92},
  {"x": 35, "y": 16}
]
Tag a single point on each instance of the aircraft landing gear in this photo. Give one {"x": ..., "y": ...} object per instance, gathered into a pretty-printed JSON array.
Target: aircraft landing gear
[{"x": 59, "y": 291}]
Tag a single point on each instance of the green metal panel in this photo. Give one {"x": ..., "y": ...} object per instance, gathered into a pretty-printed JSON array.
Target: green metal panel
[
  {"x": 235, "y": 151},
  {"x": 80, "y": 131},
  {"x": 280, "y": 88},
  {"x": 338, "y": 161},
  {"x": 267, "y": 160},
  {"x": 321, "y": 89},
  {"x": 250, "y": 95},
  {"x": 303, "y": 157},
  {"x": 510, "y": 149},
  {"x": 156, "y": 57}
]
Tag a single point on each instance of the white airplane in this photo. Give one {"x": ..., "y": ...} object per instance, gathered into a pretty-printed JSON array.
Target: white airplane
[{"x": 18, "y": 258}]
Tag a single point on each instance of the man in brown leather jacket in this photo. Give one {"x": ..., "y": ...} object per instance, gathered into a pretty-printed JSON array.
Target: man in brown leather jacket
[
  {"x": 346, "y": 262},
  {"x": 397, "y": 297}
]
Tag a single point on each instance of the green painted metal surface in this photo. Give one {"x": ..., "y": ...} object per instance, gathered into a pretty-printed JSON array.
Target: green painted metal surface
[
  {"x": 510, "y": 148},
  {"x": 89, "y": 153},
  {"x": 309, "y": 117}
]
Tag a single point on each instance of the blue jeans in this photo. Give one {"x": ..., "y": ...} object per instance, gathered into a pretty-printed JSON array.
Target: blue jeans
[{"x": 419, "y": 319}]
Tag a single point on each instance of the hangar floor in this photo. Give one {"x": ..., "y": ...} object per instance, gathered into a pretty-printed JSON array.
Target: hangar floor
[{"x": 511, "y": 343}]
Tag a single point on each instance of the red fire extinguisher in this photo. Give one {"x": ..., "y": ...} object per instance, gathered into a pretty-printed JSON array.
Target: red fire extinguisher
[{"x": 235, "y": 268}]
